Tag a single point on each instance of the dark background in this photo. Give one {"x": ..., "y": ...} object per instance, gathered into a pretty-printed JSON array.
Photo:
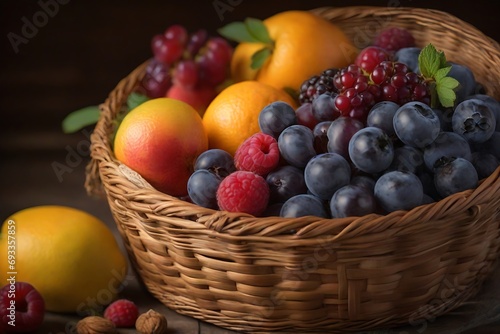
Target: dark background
[{"x": 78, "y": 55}]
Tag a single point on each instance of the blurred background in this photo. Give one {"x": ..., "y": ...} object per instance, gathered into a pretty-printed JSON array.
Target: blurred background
[{"x": 58, "y": 56}]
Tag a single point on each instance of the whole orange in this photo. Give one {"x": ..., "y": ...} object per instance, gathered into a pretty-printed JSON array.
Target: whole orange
[
  {"x": 305, "y": 44},
  {"x": 233, "y": 115},
  {"x": 161, "y": 139}
]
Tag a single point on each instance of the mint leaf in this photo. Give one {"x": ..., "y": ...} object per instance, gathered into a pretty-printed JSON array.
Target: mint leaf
[
  {"x": 446, "y": 96},
  {"x": 258, "y": 30},
  {"x": 445, "y": 90},
  {"x": 238, "y": 32},
  {"x": 80, "y": 118},
  {"x": 429, "y": 61},
  {"x": 260, "y": 57},
  {"x": 442, "y": 72},
  {"x": 448, "y": 82}
]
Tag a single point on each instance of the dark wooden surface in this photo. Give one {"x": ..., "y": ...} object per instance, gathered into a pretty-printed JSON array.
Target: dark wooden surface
[{"x": 77, "y": 54}]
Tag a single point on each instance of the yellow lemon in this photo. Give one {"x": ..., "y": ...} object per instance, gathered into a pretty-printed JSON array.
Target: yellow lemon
[{"x": 68, "y": 255}]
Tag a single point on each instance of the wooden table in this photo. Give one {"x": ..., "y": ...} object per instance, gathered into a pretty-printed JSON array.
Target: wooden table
[{"x": 74, "y": 59}]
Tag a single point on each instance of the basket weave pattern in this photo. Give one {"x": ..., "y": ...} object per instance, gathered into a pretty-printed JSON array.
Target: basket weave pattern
[{"x": 311, "y": 274}]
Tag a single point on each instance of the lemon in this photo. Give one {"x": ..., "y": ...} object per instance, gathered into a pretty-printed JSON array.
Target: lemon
[{"x": 68, "y": 255}]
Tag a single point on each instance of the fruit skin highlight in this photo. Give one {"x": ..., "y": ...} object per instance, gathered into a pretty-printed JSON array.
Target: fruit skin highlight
[
  {"x": 304, "y": 45},
  {"x": 160, "y": 140},
  {"x": 70, "y": 256}
]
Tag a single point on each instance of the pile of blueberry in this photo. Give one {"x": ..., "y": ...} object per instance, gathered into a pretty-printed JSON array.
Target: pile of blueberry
[{"x": 395, "y": 152}]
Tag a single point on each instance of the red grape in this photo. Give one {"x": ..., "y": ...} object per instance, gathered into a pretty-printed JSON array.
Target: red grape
[
  {"x": 178, "y": 33},
  {"x": 186, "y": 74}
]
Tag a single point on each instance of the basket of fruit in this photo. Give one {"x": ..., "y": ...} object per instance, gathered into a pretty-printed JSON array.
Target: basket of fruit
[{"x": 353, "y": 187}]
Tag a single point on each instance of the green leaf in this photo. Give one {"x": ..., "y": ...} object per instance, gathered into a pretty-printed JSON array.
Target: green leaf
[
  {"x": 448, "y": 82},
  {"x": 258, "y": 30},
  {"x": 238, "y": 32},
  {"x": 442, "y": 72},
  {"x": 80, "y": 118},
  {"x": 429, "y": 61},
  {"x": 260, "y": 57},
  {"x": 446, "y": 96},
  {"x": 135, "y": 99}
]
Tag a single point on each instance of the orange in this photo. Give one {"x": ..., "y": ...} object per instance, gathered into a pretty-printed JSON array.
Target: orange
[
  {"x": 161, "y": 139},
  {"x": 233, "y": 115},
  {"x": 305, "y": 44},
  {"x": 70, "y": 256}
]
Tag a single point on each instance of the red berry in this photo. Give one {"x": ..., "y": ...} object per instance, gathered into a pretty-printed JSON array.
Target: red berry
[
  {"x": 243, "y": 191},
  {"x": 398, "y": 84},
  {"x": 259, "y": 154},
  {"x": 122, "y": 312},
  {"x": 22, "y": 308},
  {"x": 370, "y": 57},
  {"x": 394, "y": 38}
]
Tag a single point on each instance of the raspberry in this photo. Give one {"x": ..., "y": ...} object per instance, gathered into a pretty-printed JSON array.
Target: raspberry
[
  {"x": 22, "y": 308},
  {"x": 122, "y": 312},
  {"x": 259, "y": 154},
  {"x": 370, "y": 57},
  {"x": 394, "y": 38},
  {"x": 398, "y": 84},
  {"x": 317, "y": 85},
  {"x": 243, "y": 191}
]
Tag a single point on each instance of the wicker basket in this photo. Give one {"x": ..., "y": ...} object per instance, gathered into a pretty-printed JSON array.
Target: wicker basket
[{"x": 310, "y": 274}]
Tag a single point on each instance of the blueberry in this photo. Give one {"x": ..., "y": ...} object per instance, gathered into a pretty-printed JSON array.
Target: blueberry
[
  {"x": 381, "y": 115},
  {"x": 303, "y": 205},
  {"x": 320, "y": 133},
  {"x": 285, "y": 182},
  {"x": 492, "y": 145},
  {"x": 323, "y": 108},
  {"x": 466, "y": 79},
  {"x": 352, "y": 200},
  {"x": 398, "y": 191},
  {"x": 409, "y": 57},
  {"x": 416, "y": 124},
  {"x": 216, "y": 161},
  {"x": 202, "y": 188},
  {"x": 447, "y": 144},
  {"x": 325, "y": 173},
  {"x": 275, "y": 117},
  {"x": 455, "y": 175},
  {"x": 484, "y": 163},
  {"x": 445, "y": 115},
  {"x": 365, "y": 181},
  {"x": 371, "y": 150},
  {"x": 474, "y": 120},
  {"x": 408, "y": 159},
  {"x": 493, "y": 104},
  {"x": 340, "y": 133},
  {"x": 296, "y": 145}
]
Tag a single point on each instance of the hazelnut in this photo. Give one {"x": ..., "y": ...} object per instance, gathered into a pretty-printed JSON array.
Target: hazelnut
[
  {"x": 151, "y": 322},
  {"x": 95, "y": 325}
]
